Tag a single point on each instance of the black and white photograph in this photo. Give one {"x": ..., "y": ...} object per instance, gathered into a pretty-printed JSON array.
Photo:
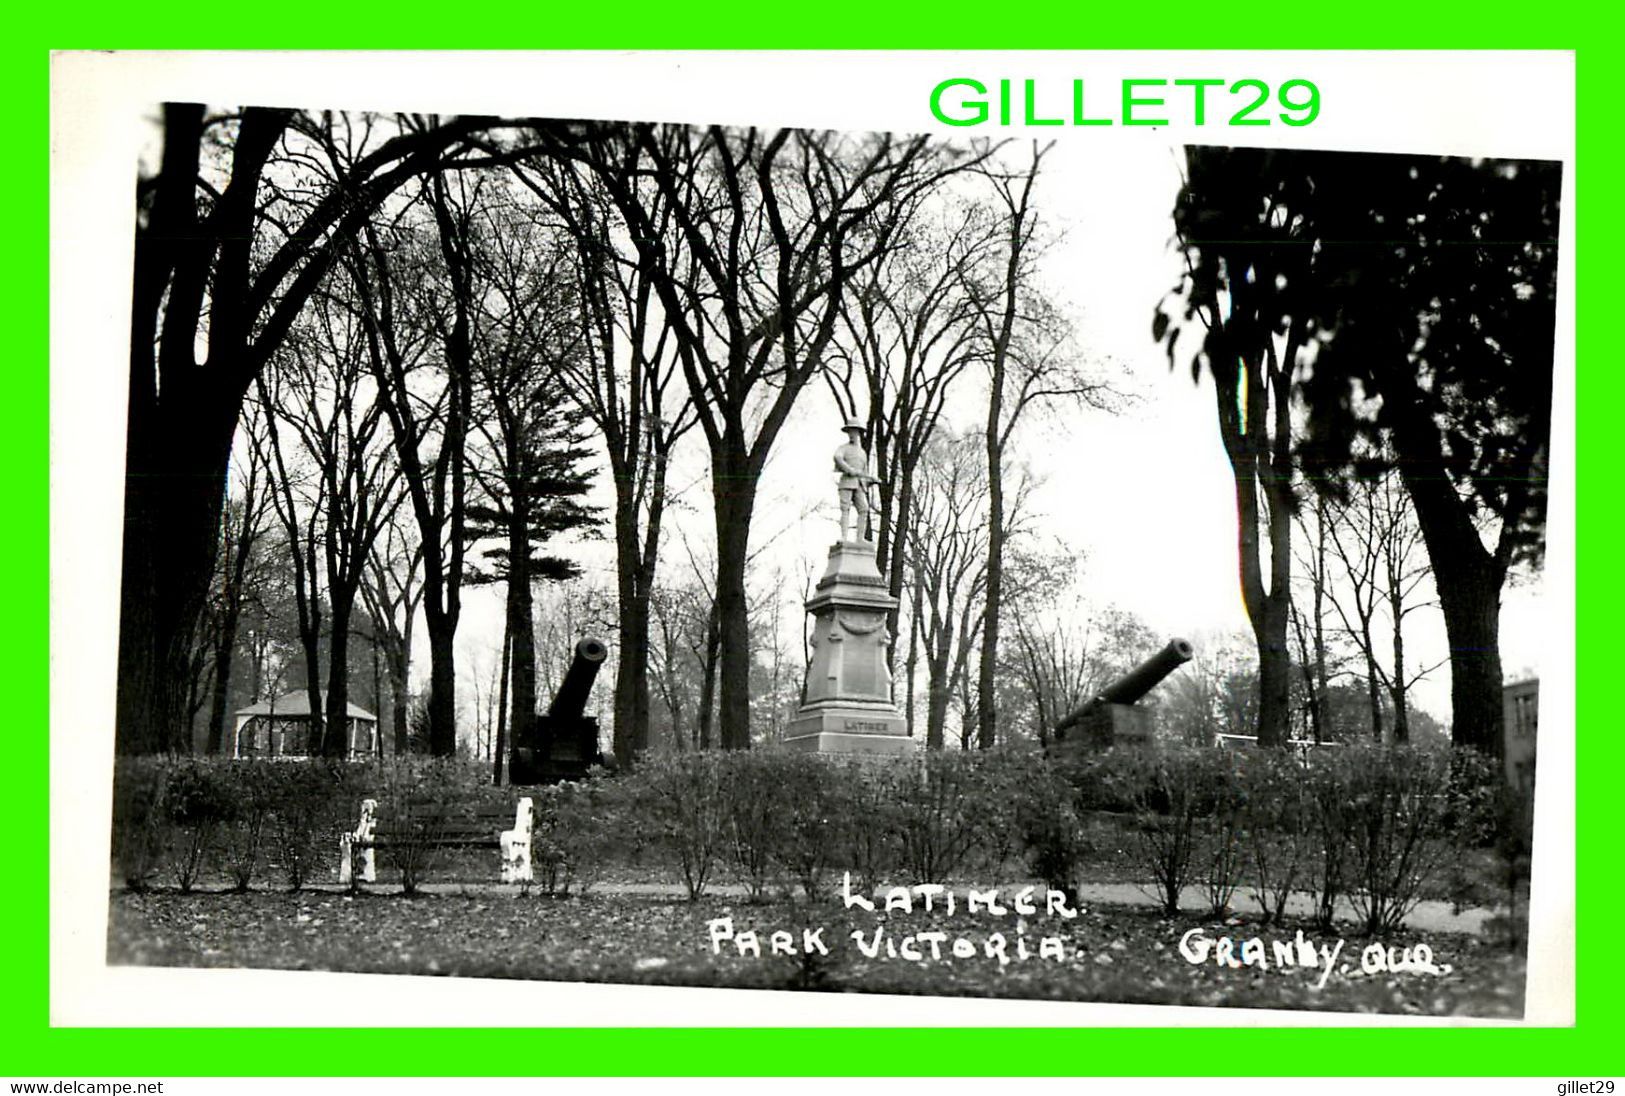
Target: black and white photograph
[{"x": 989, "y": 564}]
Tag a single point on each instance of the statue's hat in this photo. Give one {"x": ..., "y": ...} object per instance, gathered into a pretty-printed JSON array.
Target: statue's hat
[{"x": 856, "y": 424}]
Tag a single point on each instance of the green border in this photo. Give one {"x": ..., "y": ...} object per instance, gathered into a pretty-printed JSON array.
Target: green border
[{"x": 29, "y": 1047}]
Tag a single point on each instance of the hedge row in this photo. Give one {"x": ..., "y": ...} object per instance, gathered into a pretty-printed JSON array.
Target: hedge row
[
  {"x": 187, "y": 820},
  {"x": 1371, "y": 826}
]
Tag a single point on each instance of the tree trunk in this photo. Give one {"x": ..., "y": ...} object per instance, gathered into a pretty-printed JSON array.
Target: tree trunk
[
  {"x": 312, "y": 644},
  {"x": 521, "y": 625},
  {"x": 987, "y": 723},
  {"x": 442, "y": 686},
  {"x": 220, "y": 708},
  {"x": 913, "y": 665},
  {"x": 939, "y": 691},
  {"x": 1274, "y": 680},
  {"x": 1468, "y": 580},
  {"x": 1373, "y": 695},
  {"x": 708, "y": 677},
  {"x": 1396, "y": 689},
  {"x": 735, "y": 491},
  {"x": 894, "y": 556},
  {"x": 1324, "y": 730},
  {"x": 1275, "y": 671},
  {"x": 377, "y": 701},
  {"x": 400, "y": 703},
  {"x": 179, "y": 433},
  {"x": 634, "y": 587},
  {"x": 1262, "y": 464},
  {"x": 632, "y": 677},
  {"x": 1471, "y": 600},
  {"x": 967, "y": 724},
  {"x": 175, "y": 487},
  {"x": 1270, "y": 728},
  {"x": 500, "y": 751},
  {"x": 336, "y": 732}
]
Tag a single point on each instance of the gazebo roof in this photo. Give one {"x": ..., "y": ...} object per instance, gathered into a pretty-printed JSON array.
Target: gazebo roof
[{"x": 296, "y": 705}]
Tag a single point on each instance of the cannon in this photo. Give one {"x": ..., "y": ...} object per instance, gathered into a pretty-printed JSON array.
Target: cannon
[
  {"x": 563, "y": 743},
  {"x": 1110, "y": 717}
]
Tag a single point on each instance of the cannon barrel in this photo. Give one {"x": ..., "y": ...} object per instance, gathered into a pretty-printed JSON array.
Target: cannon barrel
[
  {"x": 1137, "y": 682},
  {"x": 571, "y": 699}
]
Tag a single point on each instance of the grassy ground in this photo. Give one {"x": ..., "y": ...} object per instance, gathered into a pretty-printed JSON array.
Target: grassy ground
[{"x": 1106, "y": 954}]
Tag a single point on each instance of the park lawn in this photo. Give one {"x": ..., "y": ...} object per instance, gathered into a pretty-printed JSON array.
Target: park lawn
[{"x": 1110, "y": 954}]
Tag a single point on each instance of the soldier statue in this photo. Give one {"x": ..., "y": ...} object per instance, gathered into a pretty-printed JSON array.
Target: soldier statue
[{"x": 852, "y": 462}]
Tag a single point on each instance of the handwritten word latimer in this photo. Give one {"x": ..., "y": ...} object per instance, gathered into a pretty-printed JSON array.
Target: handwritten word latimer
[
  {"x": 966, "y": 101},
  {"x": 932, "y": 897}
]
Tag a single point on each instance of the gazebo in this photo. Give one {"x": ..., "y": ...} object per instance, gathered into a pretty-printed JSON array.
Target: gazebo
[{"x": 280, "y": 727}]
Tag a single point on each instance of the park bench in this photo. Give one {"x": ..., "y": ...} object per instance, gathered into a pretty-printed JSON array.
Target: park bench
[{"x": 429, "y": 824}]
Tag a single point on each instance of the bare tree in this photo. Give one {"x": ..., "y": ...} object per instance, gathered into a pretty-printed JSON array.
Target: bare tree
[
  {"x": 233, "y": 234},
  {"x": 414, "y": 293},
  {"x": 1025, "y": 348},
  {"x": 950, "y": 575},
  {"x": 342, "y": 417},
  {"x": 626, "y": 381},
  {"x": 1310, "y": 633},
  {"x": 1248, "y": 281},
  {"x": 909, "y": 329},
  {"x": 527, "y": 333},
  {"x": 242, "y": 561},
  {"x": 392, "y": 594},
  {"x": 678, "y": 614},
  {"x": 299, "y": 499},
  {"x": 948, "y": 557},
  {"x": 773, "y": 225},
  {"x": 1378, "y": 543}
]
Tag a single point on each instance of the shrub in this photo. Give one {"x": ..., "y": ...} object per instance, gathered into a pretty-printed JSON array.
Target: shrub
[
  {"x": 1399, "y": 803},
  {"x": 419, "y": 800},
  {"x": 1326, "y": 787},
  {"x": 1003, "y": 778},
  {"x": 140, "y": 828},
  {"x": 575, "y": 825},
  {"x": 197, "y": 801},
  {"x": 679, "y": 800},
  {"x": 1095, "y": 787},
  {"x": 1276, "y": 820},
  {"x": 244, "y": 833},
  {"x": 1222, "y": 844},
  {"x": 1514, "y": 835},
  {"x": 313, "y": 801},
  {"x": 866, "y": 835},
  {"x": 1050, "y": 828},
  {"x": 1169, "y": 790},
  {"x": 813, "y": 800},
  {"x": 1495, "y": 822},
  {"x": 754, "y": 824},
  {"x": 940, "y": 814}
]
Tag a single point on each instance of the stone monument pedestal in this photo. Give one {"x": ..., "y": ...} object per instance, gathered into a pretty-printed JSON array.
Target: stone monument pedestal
[{"x": 848, "y": 707}]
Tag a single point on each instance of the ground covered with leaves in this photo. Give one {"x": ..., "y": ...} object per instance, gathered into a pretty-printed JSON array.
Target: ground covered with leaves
[{"x": 1106, "y": 953}]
